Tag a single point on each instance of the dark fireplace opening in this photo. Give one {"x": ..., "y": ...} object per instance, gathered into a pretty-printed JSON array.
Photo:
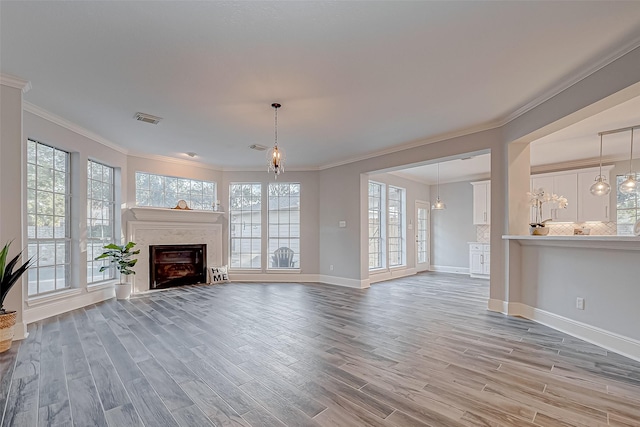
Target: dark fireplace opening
[{"x": 177, "y": 265}]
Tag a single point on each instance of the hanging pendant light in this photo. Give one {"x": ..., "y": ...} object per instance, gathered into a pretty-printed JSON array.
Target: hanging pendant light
[
  {"x": 630, "y": 184},
  {"x": 275, "y": 156},
  {"x": 601, "y": 187},
  {"x": 438, "y": 205}
]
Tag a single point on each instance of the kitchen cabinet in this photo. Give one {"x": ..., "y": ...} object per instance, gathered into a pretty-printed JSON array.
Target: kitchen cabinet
[
  {"x": 563, "y": 184},
  {"x": 479, "y": 260},
  {"x": 481, "y": 202},
  {"x": 590, "y": 207}
]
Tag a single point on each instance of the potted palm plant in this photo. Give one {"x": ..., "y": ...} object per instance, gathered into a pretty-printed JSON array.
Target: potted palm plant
[
  {"x": 8, "y": 278},
  {"x": 121, "y": 256}
]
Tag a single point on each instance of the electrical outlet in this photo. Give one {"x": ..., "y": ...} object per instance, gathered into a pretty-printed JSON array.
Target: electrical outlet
[
  {"x": 580, "y": 303},
  {"x": 331, "y": 267}
]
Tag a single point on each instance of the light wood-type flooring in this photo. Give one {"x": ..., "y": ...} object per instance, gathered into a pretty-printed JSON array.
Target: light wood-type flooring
[{"x": 416, "y": 351}]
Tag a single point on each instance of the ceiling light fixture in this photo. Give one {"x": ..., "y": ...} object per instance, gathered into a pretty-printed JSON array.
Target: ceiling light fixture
[
  {"x": 630, "y": 184},
  {"x": 275, "y": 156},
  {"x": 438, "y": 205},
  {"x": 601, "y": 187}
]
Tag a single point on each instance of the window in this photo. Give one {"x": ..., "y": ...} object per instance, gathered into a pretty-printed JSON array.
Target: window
[
  {"x": 376, "y": 238},
  {"x": 245, "y": 231},
  {"x": 48, "y": 218},
  {"x": 284, "y": 225},
  {"x": 165, "y": 191},
  {"x": 100, "y": 218},
  {"x": 627, "y": 207},
  {"x": 395, "y": 227}
]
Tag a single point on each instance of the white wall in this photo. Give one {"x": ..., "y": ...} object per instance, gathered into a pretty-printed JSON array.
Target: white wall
[{"x": 452, "y": 229}]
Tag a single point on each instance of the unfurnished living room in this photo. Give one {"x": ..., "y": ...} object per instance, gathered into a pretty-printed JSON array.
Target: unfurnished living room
[{"x": 314, "y": 213}]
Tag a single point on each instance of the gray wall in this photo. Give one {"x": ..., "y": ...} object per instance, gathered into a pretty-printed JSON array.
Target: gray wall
[{"x": 452, "y": 229}]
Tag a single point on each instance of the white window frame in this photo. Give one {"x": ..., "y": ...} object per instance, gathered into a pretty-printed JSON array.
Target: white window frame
[
  {"x": 626, "y": 228},
  {"x": 399, "y": 227},
  {"x": 60, "y": 195},
  {"x": 100, "y": 212},
  {"x": 286, "y": 230},
  {"x": 249, "y": 230},
  {"x": 196, "y": 199},
  {"x": 381, "y": 214}
]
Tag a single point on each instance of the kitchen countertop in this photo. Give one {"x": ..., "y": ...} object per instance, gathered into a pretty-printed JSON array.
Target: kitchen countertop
[{"x": 596, "y": 242}]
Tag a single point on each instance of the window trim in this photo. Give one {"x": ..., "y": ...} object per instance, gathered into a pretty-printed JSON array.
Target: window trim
[
  {"x": 382, "y": 218},
  {"x": 299, "y": 238},
  {"x": 261, "y": 238},
  {"x": 164, "y": 192},
  {"x": 402, "y": 227},
  {"x": 112, "y": 203}
]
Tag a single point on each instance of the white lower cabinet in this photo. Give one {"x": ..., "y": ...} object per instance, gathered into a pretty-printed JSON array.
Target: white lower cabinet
[{"x": 479, "y": 260}]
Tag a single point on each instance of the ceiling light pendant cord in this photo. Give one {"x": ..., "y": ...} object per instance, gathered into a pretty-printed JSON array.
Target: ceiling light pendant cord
[
  {"x": 438, "y": 182},
  {"x": 276, "y": 120},
  {"x": 631, "y": 155},
  {"x": 600, "y": 174}
]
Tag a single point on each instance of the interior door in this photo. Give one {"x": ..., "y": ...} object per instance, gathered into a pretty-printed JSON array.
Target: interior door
[{"x": 423, "y": 256}]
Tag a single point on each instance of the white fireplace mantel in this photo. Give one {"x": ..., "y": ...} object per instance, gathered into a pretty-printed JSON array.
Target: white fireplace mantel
[{"x": 154, "y": 226}]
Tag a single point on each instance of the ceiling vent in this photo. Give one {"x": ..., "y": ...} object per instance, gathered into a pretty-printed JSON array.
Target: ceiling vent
[
  {"x": 147, "y": 118},
  {"x": 257, "y": 147}
]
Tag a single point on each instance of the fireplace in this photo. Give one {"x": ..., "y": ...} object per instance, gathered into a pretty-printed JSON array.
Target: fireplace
[{"x": 176, "y": 265}]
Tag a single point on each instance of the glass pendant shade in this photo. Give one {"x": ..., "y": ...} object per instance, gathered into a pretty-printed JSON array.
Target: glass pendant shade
[
  {"x": 601, "y": 187},
  {"x": 629, "y": 185},
  {"x": 438, "y": 205},
  {"x": 275, "y": 155}
]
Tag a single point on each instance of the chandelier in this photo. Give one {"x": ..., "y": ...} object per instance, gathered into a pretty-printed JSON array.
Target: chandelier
[{"x": 275, "y": 155}]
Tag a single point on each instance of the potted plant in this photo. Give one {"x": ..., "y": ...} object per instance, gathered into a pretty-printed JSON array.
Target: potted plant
[
  {"x": 121, "y": 256},
  {"x": 8, "y": 278},
  {"x": 537, "y": 199}
]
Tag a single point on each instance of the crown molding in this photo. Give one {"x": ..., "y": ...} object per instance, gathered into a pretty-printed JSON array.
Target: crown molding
[
  {"x": 16, "y": 82},
  {"x": 571, "y": 80},
  {"x": 264, "y": 169},
  {"x": 577, "y": 164},
  {"x": 413, "y": 144},
  {"x": 47, "y": 115}
]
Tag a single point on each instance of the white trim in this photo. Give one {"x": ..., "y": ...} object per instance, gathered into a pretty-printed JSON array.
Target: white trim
[
  {"x": 20, "y": 331},
  {"x": 394, "y": 273},
  {"x": 41, "y": 112},
  {"x": 47, "y": 298},
  {"x": 92, "y": 287},
  {"x": 74, "y": 302},
  {"x": 343, "y": 281},
  {"x": 572, "y": 80},
  {"x": 170, "y": 215},
  {"x": 498, "y": 306},
  {"x": 449, "y": 269},
  {"x": 617, "y": 343},
  {"x": 15, "y": 82}
]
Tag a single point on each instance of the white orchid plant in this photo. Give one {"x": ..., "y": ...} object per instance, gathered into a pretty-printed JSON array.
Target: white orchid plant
[{"x": 539, "y": 197}]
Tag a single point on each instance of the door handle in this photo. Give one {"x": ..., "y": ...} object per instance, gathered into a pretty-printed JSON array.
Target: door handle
[
  {"x": 606, "y": 212},
  {"x": 481, "y": 259}
]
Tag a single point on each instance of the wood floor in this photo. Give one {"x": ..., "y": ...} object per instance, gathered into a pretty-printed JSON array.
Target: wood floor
[{"x": 411, "y": 352}]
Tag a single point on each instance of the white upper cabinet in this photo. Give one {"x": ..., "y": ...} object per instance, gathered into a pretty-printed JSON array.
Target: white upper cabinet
[
  {"x": 481, "y": 202},
  {"x": 574, "y": 185},
  {"x": 590, "y": 207}
]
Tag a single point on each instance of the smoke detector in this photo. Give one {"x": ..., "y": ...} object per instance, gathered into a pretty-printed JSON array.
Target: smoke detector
[
  {"x": 147, "y": 118},
  {"x": 257, "y": 147}
]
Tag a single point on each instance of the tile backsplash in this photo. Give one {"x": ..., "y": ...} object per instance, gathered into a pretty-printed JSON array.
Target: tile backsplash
[{"x": 483, "y": 232}]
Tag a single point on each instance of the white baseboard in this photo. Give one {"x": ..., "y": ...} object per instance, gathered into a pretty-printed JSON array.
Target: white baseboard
[
  {"x": 63, "y": 305},
  {"x": 498, "y": 306},
  {"x": 449, "y": 269},
  {"x": 391, "y": 274},
  {"x": 342, "y": 281},
  {"x": 20, "y": 331},
  {"x": 612, "y": 341}
]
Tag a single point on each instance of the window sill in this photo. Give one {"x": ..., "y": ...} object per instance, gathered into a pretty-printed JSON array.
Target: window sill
[
  {"x": 246, "y": 270},
  {"x": 36, "y": 301},
  {"x": 101, "y": 285},
  {"x": 283, "y": 270}
]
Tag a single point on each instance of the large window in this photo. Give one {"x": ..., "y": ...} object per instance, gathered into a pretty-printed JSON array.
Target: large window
[
  {"x": 284, "y": 225},
  {"x": 245, "y": 231},
  {"x": 628, "y": 208},
  {"x": 165, "y": 191},
  {"x": 395, "y": 226},
  {"x": 48, "y": 217},
  {"x": 100, "y": 218},
  {"x": 376, "y": 231}
]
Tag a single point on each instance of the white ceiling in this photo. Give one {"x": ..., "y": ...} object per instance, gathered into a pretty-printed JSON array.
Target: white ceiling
[
  {"x": 353, "y": 77},
  {"x": 577, "y": 144}
]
